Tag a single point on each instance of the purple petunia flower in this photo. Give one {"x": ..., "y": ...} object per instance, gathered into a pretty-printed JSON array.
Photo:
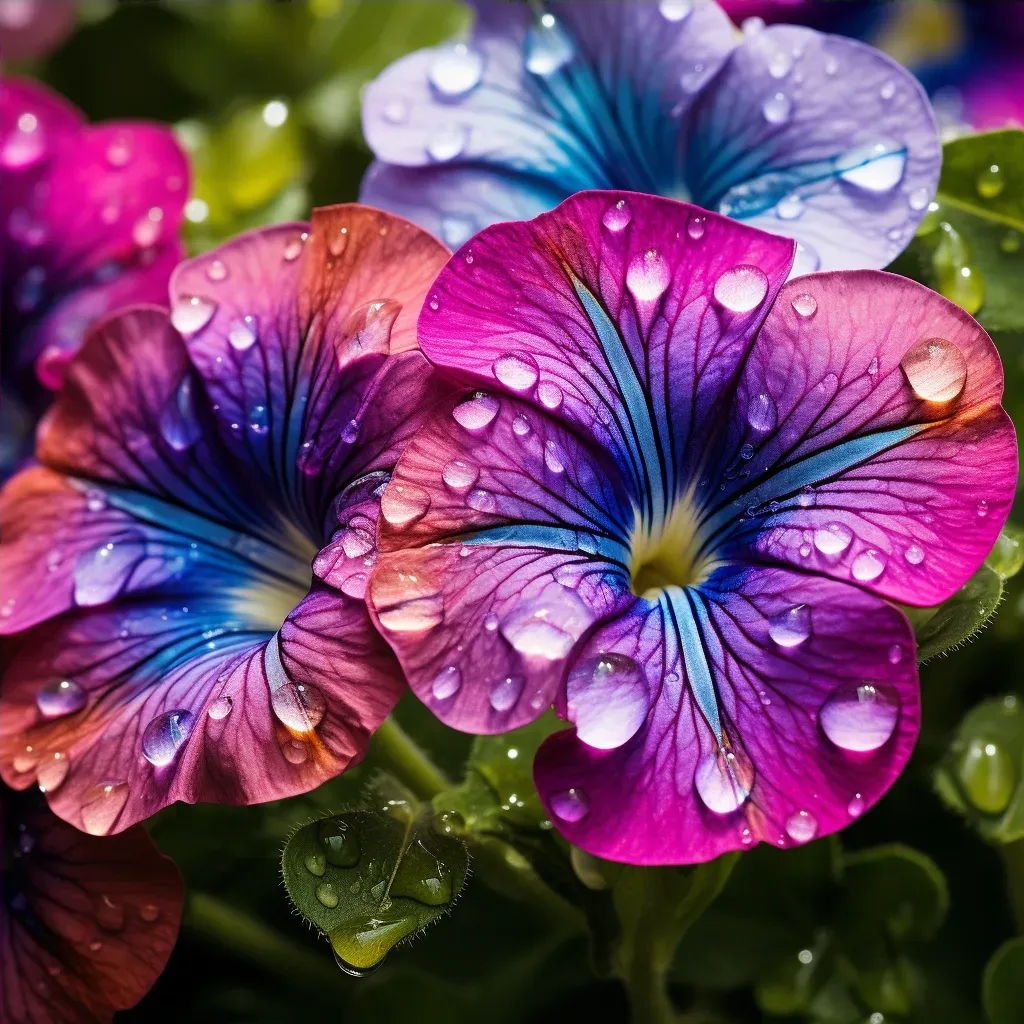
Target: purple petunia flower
[
  {"x": 165, "y": 639},
  {"x": 89, "y": 219},
  {"x": 680, "y": 500},
  {"x": 811, "y": 136}
]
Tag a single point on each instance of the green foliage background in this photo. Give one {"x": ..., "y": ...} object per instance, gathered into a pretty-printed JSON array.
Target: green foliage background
[{"x": 911, "y": 915}]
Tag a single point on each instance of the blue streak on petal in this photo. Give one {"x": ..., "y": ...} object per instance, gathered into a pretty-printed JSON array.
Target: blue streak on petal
[
  {"x": 807, "y": 472},
  {"x": 683, "y": 607},
  {"x": 554, "y": 538},
  {"x": 643, "y": 443}
]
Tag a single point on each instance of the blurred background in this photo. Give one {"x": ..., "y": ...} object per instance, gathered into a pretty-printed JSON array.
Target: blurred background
[{"x": 265, "y": 98}]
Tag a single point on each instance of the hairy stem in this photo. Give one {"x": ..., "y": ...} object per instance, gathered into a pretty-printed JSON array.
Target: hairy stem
[{"x": 407, "y": 760}]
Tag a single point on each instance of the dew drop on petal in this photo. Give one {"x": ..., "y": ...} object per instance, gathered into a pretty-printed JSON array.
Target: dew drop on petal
[
  {"x": 61, "y": 698},
  {"x": 550, "y": 395},
  {"x": 405, "y": 602},
  {"x": 447, "y": 143},
  {"x": 518, "y": 372},
  {"x": 548, "y": 46},
  {"x": 805, "y": 305},
  {"x": 777, "y": 108},
  {"x": 147, "y": 229},
  {"x": 295, "y": 751},
  {"x": 216, "y": 271},
  {"x": 52, "y": 771},
  {"x": 724, "y": 781},
  {"x": 456, "y": 71},
  {"x": 149, "y": 912},
  {"x": 608, "y": 700},
  {"x": 242, "y": 334},
  {"x": 789, "y": 208},
  {"x": 102, "y": 574},
  {"x": 403, "y": 504},
  {"x": 860, "y": 718},
  {"x": 742, "y": 288},
  {"x": 446, "y": 683},
  {"x": 762, "y": 413},
  {"x": 802, "y": 827},
  {"x": 192, "y": 313},
  {"x": 648, "y": 276},
  {"x": 293, "y": 249},
  {"x": 873, "y": 166},
  {"x": 791, "y": 628},
  {"x": 896, "y": 653},
  {"x": 300, "y": 707},
  {"x": 617, "y": 217},
  {"x": 477, "y": 412},
  {"x": 505, "y": 693},
  {"x": 696, "y": 227},
  {"x": 179, "y": 425},
  {"x": 554, "y": 457},
  {"x": 165, "y": 736},
  {"x": 919, "y": 199},
  {"x": 220, "y": 708},
  {"x": 481, "y": 501},
  {"x": 914, "y": 554},
  {"x": 936, "y": 370},
  {"x": 520, "y": 425},
  {"x": 570, "y": 805},
  {"x": 101, "y": 805},
  {"x": 460, "y": 475},
  {"x": 547, "y": 626},
  {"x": 675, "y": 10},
  {"x": 833, "y": 539},
  {"x": 110, "y": 915},
  {"x": 868, "y": 565}
]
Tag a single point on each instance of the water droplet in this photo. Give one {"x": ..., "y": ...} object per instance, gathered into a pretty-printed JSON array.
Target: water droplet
[
  {"x": 802, "y": 827},
  {"x": 52, "y": 771},
  {"x": 648, "y": 276},
  {"x": 548, "y": 46},
  {"x": 340, "y": 843},
  {"x": 147, "y": 229},
  {"x": 896, "y": 653},
  {"x": 617, "y": 217},
  {"x": 119, "y": 152},
  {"x": 888, "y": 90},
  {"x": 608, "y": 700},
  {"x": 446, "y": 144},
  {"x": 405, "y": 602},
  {"x": 855, "y": 808},
  {"x": 873, "y": 166},
  {"x": 165, "y": 736},
  {"x": 789, "y": 208},
  {"x": 547, "y": 626},
  {"x": 446, "y": 683},
  {"x": 505, "y": 693},
  {"x": 61, "y": 698},
  {"x": 179, "y": 425},
  {"x": 101, "y": 574},
  {"x": 860, "y": 718},
  {"x": 456, "y": 71},
  {"x": 831, "y": 65},
  {"x": 570, "y": 805},
  {"x": 216, "y": 271},
  {"x": 752, "y": 26},
  {"x": 520, "y": 425},
  {"x": 477, "y": 412},
  {"x": 24, "y": 146},
  {"x": 293, "y": 249},
  {"x": 294, "y": 751},
  {"x": 724, "y": 781},
  {"x": 990, "y": 182},
  {"x": 550, "y": 395},
  {"x": 149, "y": 912},
  {"x": 762, "y": 413},
  {"x": 868, "y": 565},
  {"x": 192, "y": 313},
  {"x": 351, "y": 432},
  {"x": 914, "y": 554},
  {"x": 777, "y": 108},
  {"x": 316, "y": 863},
  {"x": 805, "y": 305},
  {"x": 982, "y": 508},
  {"x": 742, "y": 288},
  {"x": 242, "y": 334},
  {"x": 833, "y": 539},
  {"x": 404, "y": 504},
  {"x": 326, "y": 894},
  {"x": 936, "y": 369},
  {"x": 792, "y": 627},
  {"x": 780, "y": 64},
  {"x": 220, "y": 708},
  {"x": 101, "y": 805},
  {"x": 518, "y": 372},
  {"x": 300, "y": 707},
  {"x": 918, "y": 199},
  {"x": 554, "y": 457},
  {"x": 696, "y": 227},
  {"x": 110, "y": 915},
  {"x": 987, "y": 774},
  {"x": 675, "y": 10}
]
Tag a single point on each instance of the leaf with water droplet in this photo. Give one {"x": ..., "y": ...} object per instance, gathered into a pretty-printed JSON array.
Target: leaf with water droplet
[{"x": 375, "y": 875}]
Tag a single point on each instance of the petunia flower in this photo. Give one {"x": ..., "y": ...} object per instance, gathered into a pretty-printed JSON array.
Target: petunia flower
[
  {"x": 811, "y": 136},
  {"x": 170, "y": 641},
  {"x": 89, "y": 218},
  {"x": 86, "y": 924},
  {"x": 681, "y": 500}
]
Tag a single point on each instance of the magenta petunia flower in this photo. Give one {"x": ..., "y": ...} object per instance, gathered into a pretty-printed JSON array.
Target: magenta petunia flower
[
  {"x": 681, "y": 500},
  {"x": 812, "y": 136},
  {"x": 86, "y": 925},
  {"x": 89, "y": 218},
  {"x": 169, "y": 640}
]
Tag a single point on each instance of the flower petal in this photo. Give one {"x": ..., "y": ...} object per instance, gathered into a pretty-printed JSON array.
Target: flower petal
[
  {"x": 88, "y": 924},
  {"x": 836, "y": 461},
  {"x": 609, "y": 310},
  {"x": 819, "y": 712},
  {"x": 820, "y": 138}
]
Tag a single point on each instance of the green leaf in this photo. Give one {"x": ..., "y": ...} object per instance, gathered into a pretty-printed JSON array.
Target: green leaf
[
  {"x": 1002, "y": 989},
  {"x": 980, "y": 776},
  {"x": 955, "y": 621},
  {"x": 373, "y": 876},
  {"x": 970, "y": 246}
]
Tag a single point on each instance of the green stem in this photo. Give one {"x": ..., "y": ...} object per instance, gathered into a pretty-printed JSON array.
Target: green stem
[
  {"x": 407, "y": 760},
  {"x": 250, "y": 938},
  {"x": 1013, "y": 862},
  {"x": 645, "y": 982}
]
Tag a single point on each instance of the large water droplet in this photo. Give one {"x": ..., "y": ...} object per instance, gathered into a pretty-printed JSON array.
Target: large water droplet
[
  {"x": 179, "y": 425},
  {"x": 914, "y": 554},
  {"x": 220, "y": 708},
  {"x": 762, "y": 413},
  {"x": 340, "y": 843},
  {"x": 405, "y": 602},
  {"x": 101, "y": 805},
  {"x": 987, "y": 774},
  {"x": 403, "y": 504},
  {"x": 456, "y": 71},
  {"x": 165, "y": 736},
  {"x": 608, "y": 700},
  {"x": 873, "y": 166},
  {"x": 520, "y": 425},
  {"x": 792, "y": 627},
  {"x": 52, "y": 771},
  {"x": 61, "y": 698},
  {"x": 742, "y": 288},
  {"x": 101, "y": 574},
  {"x": 724, "y": 780},
  {"x": 482, "y": 501},
  {"x": 477, "y": 412},
  {"x": 936, "y": 370},
  {"x": 802, "y": 827},
  {"x": 518, "y": 372},
  {"x": 549, "y": 625},
  {"x": 446, "y": 683},
  {"x": 242, "y": 334},
  {"x": 192, "y": 313},
  {"x": 316, "y": 863},
  {"x": 505, "y": 693},
  {"x": 780, "y": 64},
  {"x": 617, "y": 217},
  {"x": 805, "y": 305},
  {"x": 447, "y": 143},
  {"x": 675, "y": 10},
  {"x": 548, "y": 46},
  {"x": 860, "y": 718},
  {"x": 300, "y": 707},
  {"x": 570, "y": 805},
  {"x": 460, "y": 475},
  {"x": 868, "y": 565},
  {"x": 777, "y": 108},
  {"x": 832, "y": 539},
  {"x": 550, "y": 395},
  {"x": 648, "y": 276},
  {"x": 327, "y": 895}
]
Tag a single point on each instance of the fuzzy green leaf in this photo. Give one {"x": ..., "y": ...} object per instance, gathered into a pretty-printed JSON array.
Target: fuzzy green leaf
[{"x": 373, "y": 876}]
